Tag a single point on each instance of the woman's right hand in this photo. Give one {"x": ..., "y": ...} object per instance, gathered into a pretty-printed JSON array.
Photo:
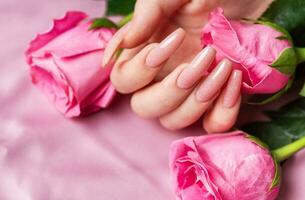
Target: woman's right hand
[{"x": 158, "y": 67}]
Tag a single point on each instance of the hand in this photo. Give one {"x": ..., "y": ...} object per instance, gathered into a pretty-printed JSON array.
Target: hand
[{"x": 165, "y": 88}]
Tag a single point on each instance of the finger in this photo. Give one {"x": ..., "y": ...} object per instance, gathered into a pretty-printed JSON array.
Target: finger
[
  {"x": 191, "y": 109},
  {"x": 167, "y": 95},
  {"x": 214, "y": 82},
  {"x": 199, "y": 66},
  {"x": 114, "y": 44},
  {"x": 161, "y": 97},
  {"x": 147, "y": 18},
  {"x": 130, "y": 75},
  {"x": 187, "y": 113},
  {"x": 223, "y": 115}
]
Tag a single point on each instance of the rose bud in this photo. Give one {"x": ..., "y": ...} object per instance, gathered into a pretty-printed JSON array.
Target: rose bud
[
  {"x": 65, "y": 64},
  {"x": 226, "y": 167},
  {"x": 262, "y": 51}
]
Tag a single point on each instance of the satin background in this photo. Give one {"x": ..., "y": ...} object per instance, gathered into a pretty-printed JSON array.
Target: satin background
[{"x": 107, "y": 156}]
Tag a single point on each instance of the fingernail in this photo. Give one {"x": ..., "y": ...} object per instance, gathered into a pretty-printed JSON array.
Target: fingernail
[
  {"x": 195, "y": 70},
  {"x": 114, "y": 44},
  {"x": 232, "y": 90},
  {"x": 164, "y": 50},
  {"x": 214, "y": 81}
]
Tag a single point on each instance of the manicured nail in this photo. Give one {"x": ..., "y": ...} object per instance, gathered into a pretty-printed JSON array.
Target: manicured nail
[
  {"x": 165, "y": 49},
  {"x": 196, "y": 69},
  {"x": 214, "y": 81},
  {"x": 114, "y": 44},
  {"x": 232, "y": 90}
]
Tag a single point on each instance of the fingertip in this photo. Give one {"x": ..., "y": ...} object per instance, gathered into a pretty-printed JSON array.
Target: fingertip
[
  {"x": 168, "y": 125},
  {"x": 130, "y": 73},
  {"x": 220, "y": 119},
  {"x": 166, "y": 48},
  {"x": 214, "y": 81},
  {"x": 114, "y": 44},
  {"x": 143, "y": 25},
  {"x": 137, "y": 106},
  {"x": 215, "y": 126},
  {"x": 232, "y": 90}
]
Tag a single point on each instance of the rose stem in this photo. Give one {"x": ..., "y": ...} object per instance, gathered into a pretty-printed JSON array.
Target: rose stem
[
  {"x": 120, "y": 24},
  {"x": 287, "y": 151},
  {"x": 125, "y": 20}
]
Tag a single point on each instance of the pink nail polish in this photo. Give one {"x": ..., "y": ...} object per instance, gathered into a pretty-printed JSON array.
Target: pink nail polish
[
  {"x": 196, "y": 69},
  {"x": 114, "y": 44},
  {"x": 214, "y": 81},
  {"x": 232, "y": 90},
  {"x": 164, "y": 50}
]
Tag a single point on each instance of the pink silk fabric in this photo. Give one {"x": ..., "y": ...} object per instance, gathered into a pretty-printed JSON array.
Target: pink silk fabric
[{"x": 107, "y": 156}]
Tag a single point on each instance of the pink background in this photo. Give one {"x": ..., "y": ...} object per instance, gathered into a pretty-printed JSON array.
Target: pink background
[{"x": 110, "y": 155}]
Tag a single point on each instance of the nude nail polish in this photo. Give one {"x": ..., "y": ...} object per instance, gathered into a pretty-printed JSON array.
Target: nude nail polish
[
  {"x": 232, "y": 90},
  {"x": 164, "y": 50},
  {"x": 214, "y": 81},
  {"x": 195, "y": 70},
  {"x": 114, "y": 44}
]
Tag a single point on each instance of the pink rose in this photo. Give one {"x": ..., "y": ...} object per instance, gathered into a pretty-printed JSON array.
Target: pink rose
[
  {"x": 233, "y": 166},
  {"x": 262, "y": 52},
  {"x": 65, "y": 64}
]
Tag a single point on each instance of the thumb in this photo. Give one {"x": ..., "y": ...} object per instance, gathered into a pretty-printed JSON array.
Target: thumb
[{"x": 148, "y": 16}]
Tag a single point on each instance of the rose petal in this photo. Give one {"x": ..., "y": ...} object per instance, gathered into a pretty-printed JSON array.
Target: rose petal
[
  {"x": 251, "y": 48},
  {"x": 57, "y": 92},
  {"x": 222, "y": 166},
  {"x": 84, "y": 72},
  {"x": 66, "y": 65},
  {"x": 76, "y": 41},
  {"x": 70, "y": 20}
]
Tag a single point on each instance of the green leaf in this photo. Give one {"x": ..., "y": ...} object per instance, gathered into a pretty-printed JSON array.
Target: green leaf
[
  {"x": 285, "y": 126},
  {"x": 102, "y": 23},
  {"x": 287, "y": 62},
  {"x": 302, "y": 92},
  {"x": 300, "y": 54},
  {"x": 120, "y": 7},
  {"x": 267, "y": 131},
  {"x": 290, "y": 14},
  {"x": 125, "y": 20}
]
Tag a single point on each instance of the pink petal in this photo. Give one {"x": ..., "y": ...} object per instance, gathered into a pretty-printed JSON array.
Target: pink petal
[
  {"x": 57, "y": 92},
  {"x": 101, "y": 98},
  {"x": 66, "y": 65},
  {"x": 251, "y": 48},
  {"x": 264, "y": 47},
  {"x": 271, "y": 83},
  {"x": 84, "y": 72},
  {"x": 196, "y": 193},
  {"x": 70, "y": 20},
  {"x": 226, "y": 166},
  {"x": 78, "y": 40}
]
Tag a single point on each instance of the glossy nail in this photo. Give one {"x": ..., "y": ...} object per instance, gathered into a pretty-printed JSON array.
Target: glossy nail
[
  {"x": 165, "y": 49},
  {"x": 214, "y": 81},
  {"x": 196, "y": 69},
  {"x": 114, "y": 44},
  {"x": 232, "y": 90}
]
